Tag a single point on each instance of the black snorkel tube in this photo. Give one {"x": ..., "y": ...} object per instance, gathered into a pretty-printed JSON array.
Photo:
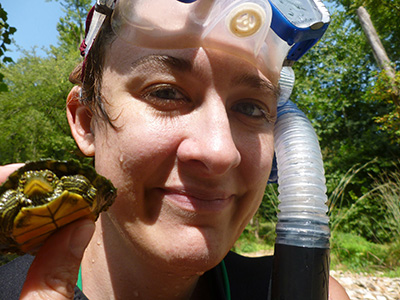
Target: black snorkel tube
[{"x": 301, "y": 258}]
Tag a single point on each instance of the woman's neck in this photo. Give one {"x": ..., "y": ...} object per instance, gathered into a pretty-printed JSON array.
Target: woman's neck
[{"x": 118, "y": 273}]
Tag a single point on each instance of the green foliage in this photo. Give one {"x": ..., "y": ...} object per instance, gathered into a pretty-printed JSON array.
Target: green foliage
[
  {"x": 355, "y": 253},
  {"x": 375, "y": 215},
  {"x": 71, "y": 27},
  {"x": 389, "y": 121},
  {"x": 365, "y": 236},
  {"x": 5, "y": 39},
  {"x": 332, "y": 81},
  {"x": 7, "y": 258},
  {"x": 249, "y": 243},
  {"x": 32, "y": 113},
  {"x": 387, "y": 192},
  {"x": 269, "y": 206},
  {"x": 385, "y": 15},
  {"x": 32, "y": 110}
]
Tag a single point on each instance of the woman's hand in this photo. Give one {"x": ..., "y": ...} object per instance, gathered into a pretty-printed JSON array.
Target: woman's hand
[
  {"x": 54, "y": 271},
  {"x": 7, "y": 170},
  {"x": 336, "y": 290}
]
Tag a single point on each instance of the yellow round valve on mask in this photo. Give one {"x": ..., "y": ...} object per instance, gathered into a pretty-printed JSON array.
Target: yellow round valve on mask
[{"x": 246, "y": 19}]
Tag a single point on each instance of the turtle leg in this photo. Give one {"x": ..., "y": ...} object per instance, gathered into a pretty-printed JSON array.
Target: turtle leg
[
  {"x": 10, "y": 204},
  {"x": 80, "y": 185}
]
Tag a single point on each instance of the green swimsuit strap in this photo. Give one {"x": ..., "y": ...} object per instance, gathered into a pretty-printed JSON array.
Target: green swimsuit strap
[
  {"x": 227, "y": 286},
  {"x": 79, "y": 282}
]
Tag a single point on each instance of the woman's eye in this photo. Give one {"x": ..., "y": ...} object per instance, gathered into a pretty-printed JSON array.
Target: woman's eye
[
  {"x": 166, "y": 93},
  {"x": 250, "y": 109},
  {"x": 166, "y": 97}
]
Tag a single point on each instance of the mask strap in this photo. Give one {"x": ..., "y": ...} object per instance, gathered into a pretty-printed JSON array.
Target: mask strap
[{"x": 94, "y": 21}]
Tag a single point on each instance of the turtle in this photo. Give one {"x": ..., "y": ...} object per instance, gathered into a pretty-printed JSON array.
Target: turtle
[{"x": 42, "y": 196}]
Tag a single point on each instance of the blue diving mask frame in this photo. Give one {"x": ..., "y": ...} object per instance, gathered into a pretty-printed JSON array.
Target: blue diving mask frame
[{"x": 269, "y": 34}]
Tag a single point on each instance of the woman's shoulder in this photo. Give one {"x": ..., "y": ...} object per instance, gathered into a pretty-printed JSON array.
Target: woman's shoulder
[
  {"x": 249, "y": 277},
  {"x": 246, "y": 264},
  {"x": 12, "y": 277}
]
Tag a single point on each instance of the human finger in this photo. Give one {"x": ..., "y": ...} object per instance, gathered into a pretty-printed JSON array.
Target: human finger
[
  {"x": 336, "y": 290},
  {"x": 54, "y": 271},
  {"x": 7, "y": 170}
]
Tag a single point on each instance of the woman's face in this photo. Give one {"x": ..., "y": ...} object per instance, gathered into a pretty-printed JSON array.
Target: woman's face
[{"x": 191, "y": 154}]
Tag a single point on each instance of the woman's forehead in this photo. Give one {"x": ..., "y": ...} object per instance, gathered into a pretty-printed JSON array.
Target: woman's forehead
[{"x": 123, "y": 58}]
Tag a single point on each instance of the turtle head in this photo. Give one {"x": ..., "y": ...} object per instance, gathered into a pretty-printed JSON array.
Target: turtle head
[{"x": 39, "y": 183}]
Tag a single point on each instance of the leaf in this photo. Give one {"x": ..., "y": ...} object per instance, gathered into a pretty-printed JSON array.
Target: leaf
[
  {"x": 12, "y": 30},
  {"x": 3, "y": 87},
  {"x": 7, "y": 59}
]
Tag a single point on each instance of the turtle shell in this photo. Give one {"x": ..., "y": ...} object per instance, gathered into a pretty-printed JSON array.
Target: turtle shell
[{"x": 45, "y": 195}]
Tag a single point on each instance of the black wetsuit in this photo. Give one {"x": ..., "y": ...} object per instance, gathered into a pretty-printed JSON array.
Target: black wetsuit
[{"x": 249, "y": 278}]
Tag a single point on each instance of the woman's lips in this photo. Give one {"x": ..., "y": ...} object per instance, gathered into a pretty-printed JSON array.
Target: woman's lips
[{"x": 198, "y": 201}]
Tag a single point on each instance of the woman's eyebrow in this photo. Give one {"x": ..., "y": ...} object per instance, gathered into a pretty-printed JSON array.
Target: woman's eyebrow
[
  {"x": 162, "y": 62},
  {"x": 154, "y": 61},
  {"x": 256, "y": 82}
]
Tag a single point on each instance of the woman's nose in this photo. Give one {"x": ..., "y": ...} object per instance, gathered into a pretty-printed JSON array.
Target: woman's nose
[{"x": 209, "y": 143}]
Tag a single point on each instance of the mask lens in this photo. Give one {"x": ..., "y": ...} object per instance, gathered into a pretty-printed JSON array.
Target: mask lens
[{"x": 300, "y": 13}]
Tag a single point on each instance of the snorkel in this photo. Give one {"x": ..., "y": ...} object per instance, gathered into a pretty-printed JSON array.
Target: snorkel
[
  {"x": 269, "y": 35},
  {"x": 301, "y": 256}
]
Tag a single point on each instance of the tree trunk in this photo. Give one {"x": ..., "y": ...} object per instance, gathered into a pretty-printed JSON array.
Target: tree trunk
[
  {"x": 254, "y": 222},
  {"x": 378, "y": 50}
]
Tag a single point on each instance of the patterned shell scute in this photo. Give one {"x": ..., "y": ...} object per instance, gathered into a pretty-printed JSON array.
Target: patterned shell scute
[{"x": 45, "y": 195}]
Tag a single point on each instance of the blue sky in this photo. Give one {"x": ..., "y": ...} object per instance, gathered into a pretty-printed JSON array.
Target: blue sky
[{"x": 36, "y": 22}]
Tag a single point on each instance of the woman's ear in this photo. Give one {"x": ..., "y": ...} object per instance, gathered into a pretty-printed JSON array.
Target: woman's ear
[{"x": 79, "y": 119}]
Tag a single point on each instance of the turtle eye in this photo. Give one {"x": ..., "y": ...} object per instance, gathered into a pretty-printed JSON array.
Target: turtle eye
[{"x": 49, "y": 177}]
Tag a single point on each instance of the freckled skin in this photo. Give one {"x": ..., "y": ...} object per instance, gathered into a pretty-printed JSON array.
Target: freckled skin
[{"x": 190, "y": 158}]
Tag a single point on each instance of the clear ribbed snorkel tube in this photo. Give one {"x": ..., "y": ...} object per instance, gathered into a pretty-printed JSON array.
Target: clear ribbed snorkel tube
[
  {"x": 268, "y": 34},
  {"x": 301, "y": 258}
]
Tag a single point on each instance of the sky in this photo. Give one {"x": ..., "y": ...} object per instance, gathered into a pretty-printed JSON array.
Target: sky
[{"x": 36, "y": 22}]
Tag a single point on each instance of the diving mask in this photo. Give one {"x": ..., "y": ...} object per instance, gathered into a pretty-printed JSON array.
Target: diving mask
[{"x": 266, "y": 33}]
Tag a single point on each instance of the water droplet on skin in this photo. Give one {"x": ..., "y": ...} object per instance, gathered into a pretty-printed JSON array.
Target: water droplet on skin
[{"x": 200, "y": 273}]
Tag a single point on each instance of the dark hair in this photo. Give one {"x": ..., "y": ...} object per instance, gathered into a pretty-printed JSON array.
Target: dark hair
[{"x": 92, "y": 69}]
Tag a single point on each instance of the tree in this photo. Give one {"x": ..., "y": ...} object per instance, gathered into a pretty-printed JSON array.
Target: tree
[
  {"x": 32, "y": 113},
  {"x": 333, "y": 80},
  {"x": 385, "y": 15},
  {"x": 335, "y": 86},
  {"x": 5, "y": 32},
  {"x": 71, "y": 27}
]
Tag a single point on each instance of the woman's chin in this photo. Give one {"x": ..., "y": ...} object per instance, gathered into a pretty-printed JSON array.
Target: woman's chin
[{"x": 192, "y": 249}]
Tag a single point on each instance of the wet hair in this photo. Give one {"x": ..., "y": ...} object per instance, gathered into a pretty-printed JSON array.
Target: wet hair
[{"x": 88, "y": 74}]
